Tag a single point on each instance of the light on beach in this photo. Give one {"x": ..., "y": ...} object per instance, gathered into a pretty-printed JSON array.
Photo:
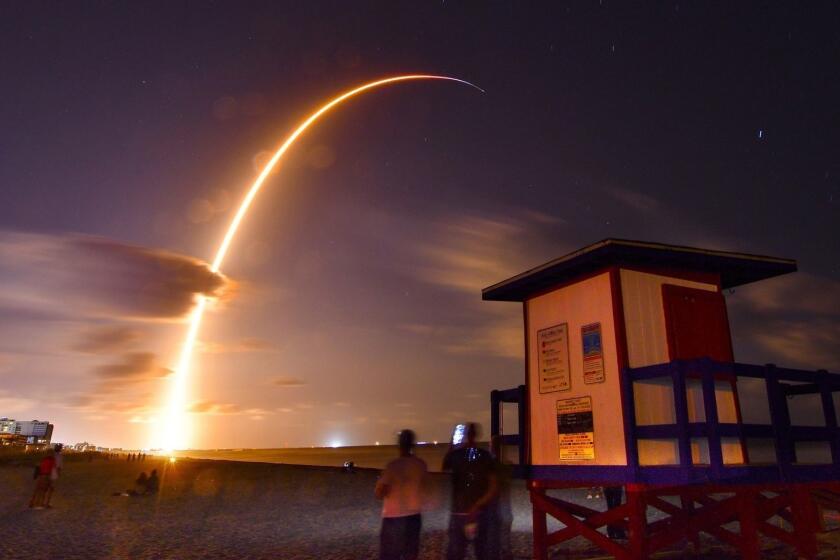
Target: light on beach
[{"x": 335, "y": 443}]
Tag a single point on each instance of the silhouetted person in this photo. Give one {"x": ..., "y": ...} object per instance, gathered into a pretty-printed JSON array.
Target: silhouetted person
[
  {"x": 474, "y": 492},
  {"x": 153, "y": 483},
  {"x": 401, "y": 487},
  {"x": 141, "y": 485}
]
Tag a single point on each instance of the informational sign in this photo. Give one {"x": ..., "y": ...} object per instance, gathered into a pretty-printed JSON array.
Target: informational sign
[
  {"x": 593, "y": 353},
  {"x": 553, "y": 363},
  {"x": 575, "y": 429}
]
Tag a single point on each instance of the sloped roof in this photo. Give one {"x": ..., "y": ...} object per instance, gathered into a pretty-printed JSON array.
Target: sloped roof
[{"x": 735, "y": 269}]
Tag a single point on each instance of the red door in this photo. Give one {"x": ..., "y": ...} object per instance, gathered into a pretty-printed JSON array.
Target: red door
[{"x": 696, "y": 324}]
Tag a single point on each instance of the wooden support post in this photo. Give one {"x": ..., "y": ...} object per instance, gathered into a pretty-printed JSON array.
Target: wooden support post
[
  {"x": 830, "y": 414},
  {"x": 780, "y": 416},
  {"x": 495, "y": 414},
  {"x": 522, "y": 409},
  {"x": 637, "y": 520},
  {"x": 712, "y": 421},
  {"x": 805, "y": 521},
  {"x": 748, "y": 520},
  {"x": 681, "y": 413},
  {"x": 687, "y": 503},
  {"x": 540, "y": 527}
]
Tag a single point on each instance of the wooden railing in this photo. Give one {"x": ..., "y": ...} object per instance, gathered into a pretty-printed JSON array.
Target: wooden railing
[{"x": 780, "y": 384}]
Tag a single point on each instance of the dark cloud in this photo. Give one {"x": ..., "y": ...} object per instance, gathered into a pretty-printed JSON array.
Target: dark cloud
[
  {"x": 810, "y": 344},
  {"x": 798, "y": 293},
  {"x": 98, "y": 277},
  {"x": 133, "y": 367},
  {"x": 289, "y": 382},
  {"x": 470, "y": 252},
  {"x": 105, "y": 339},
  {"x": 791, "y": 320}
]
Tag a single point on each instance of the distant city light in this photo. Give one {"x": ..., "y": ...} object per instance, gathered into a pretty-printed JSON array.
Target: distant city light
[
  {"x": 377, "y": 443},
  {"x": 335, "y": 443}
]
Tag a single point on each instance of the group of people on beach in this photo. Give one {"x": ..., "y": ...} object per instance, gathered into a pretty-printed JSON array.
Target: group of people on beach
[
  {"x": 145, "y": 484},
  {"x": 46, "y": 474},
  {"x": 477, "y": 514}
]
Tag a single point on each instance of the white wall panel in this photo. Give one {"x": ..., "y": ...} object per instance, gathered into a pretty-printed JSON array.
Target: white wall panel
[{"x": 588, "y": 301}]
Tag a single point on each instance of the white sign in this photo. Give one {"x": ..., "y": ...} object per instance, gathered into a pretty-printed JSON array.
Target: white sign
[{"x": 553, "y": 362}]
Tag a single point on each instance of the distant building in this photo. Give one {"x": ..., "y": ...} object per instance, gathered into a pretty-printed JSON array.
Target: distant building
[
  {"x": 27, "y": 432},
  {"x": 7, "y": 426}
]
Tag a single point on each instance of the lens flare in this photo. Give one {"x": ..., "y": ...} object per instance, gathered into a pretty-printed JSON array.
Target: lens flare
[{"x": 176, "y": 429}]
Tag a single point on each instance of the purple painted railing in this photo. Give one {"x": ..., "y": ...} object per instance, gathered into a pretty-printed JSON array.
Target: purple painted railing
[{"x": 780, "y": 384}]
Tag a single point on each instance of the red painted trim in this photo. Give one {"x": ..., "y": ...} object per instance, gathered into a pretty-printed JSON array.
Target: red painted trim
[
  {"x": 621, "y": 352},
  {"x": 618, "y": 320}
]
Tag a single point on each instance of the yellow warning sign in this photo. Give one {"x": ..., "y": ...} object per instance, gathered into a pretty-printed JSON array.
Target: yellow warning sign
[{"x": 575, "y": 429}]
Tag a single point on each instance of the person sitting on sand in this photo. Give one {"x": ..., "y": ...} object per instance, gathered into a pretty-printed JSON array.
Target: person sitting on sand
[
  {"x": 141, "y": 485},
  {"x": 43, "y": 481},
  {"x": 401, "y": 490},
  {"x": 153, "y": 483}
]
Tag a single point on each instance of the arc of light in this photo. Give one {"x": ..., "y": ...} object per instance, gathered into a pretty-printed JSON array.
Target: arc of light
[{"x": 175, "y": 420}]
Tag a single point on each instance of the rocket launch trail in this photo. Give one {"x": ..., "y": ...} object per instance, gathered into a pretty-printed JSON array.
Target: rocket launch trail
[{"x": 175, "y": 436}]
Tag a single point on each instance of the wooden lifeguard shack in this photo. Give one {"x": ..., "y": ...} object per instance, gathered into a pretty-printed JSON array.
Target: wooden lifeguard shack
[{"x": 630, "y": 381}]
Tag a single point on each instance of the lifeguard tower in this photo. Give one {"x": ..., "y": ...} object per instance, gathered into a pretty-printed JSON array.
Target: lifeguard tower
[{"x": 630, "y": 382}]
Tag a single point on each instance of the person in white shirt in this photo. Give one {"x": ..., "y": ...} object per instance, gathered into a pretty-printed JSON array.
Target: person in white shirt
[{"x": 401, "y": 487}]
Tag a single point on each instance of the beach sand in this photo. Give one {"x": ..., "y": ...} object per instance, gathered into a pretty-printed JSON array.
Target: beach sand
[{"x": 226, "y": 510}]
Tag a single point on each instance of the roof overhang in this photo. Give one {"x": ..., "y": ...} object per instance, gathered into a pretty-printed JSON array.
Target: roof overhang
[{"x": 735, "y": 269}]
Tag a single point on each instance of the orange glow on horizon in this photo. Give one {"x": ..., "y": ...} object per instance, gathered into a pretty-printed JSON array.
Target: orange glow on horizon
[{"x": 176, "y": 431}]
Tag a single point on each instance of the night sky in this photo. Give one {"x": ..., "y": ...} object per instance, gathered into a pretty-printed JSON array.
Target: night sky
[{"x": 351, "y": 304}]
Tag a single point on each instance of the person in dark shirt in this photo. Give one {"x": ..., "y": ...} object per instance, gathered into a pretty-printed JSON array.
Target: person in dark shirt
[
  {"x": 153, "y": 483},
  {"x": 474, "y": 491}
]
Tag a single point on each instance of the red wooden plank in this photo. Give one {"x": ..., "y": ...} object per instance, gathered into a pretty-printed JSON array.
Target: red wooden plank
[
  {"x": 707, "y": 519},
  {"x": 614, "y": 516},
  {"x": 582, "y": 529},
  {"x": 749, "y": 526},
  {"x": 574, "y": 509},
  {"x": 540, "y": 527},
  {"x": 805, "y": 522}
]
